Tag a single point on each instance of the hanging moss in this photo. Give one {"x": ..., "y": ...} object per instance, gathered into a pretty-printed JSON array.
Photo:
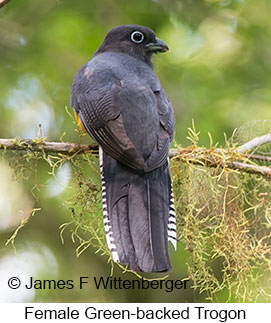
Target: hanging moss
[
  {"x": 224, "y": 219},
  {"x": 223, "y": 216}
]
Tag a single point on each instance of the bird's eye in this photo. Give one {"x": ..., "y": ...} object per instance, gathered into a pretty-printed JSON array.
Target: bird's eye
[{"x": 137, "y": 37}]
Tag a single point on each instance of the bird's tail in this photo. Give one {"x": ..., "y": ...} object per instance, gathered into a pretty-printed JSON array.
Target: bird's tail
[{"x": 139, "y": 215}]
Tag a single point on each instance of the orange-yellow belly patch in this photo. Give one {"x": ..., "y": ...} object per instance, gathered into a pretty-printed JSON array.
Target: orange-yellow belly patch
[{"x": 80, "y": 122}]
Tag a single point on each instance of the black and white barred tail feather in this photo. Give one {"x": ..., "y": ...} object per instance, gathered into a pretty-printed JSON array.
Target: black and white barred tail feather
[
  {"x": 107, "y": 224},
  {"x": 139, "y": 216},
  {"x": 172, "y": 228}
]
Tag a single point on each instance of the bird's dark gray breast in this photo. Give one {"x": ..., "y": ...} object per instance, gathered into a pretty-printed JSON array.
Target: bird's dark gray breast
[{"x": 137, "y": 99}]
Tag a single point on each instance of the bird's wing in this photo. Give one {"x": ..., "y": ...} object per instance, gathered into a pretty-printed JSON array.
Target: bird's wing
[
  {"x": 100, "y": 109},
  {"x": 166, "y": 131}
]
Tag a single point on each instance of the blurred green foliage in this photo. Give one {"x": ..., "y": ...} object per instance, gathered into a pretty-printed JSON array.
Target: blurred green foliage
[{"x": 217, "y": 72}]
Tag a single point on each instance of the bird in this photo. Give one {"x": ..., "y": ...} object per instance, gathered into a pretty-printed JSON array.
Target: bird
[{"x": 120, "y": 102}]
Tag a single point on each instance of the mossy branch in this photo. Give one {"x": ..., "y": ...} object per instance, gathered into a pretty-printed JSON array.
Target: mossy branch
[
  {"x": 42, "y": 145},
  {"x": 203, "y": 156}
]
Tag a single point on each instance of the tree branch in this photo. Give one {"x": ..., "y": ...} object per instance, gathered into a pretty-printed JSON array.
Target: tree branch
[
  {"x": 251, "y": 168},
  {"x": 255, "y": 142},
  {"x": 215, "y": 158},
  {"x": 259, "y": 157},
  {"x": 40, "y": 145},
  {"x": 185, "y": 154},
  {"x": 4, "y": 2}
]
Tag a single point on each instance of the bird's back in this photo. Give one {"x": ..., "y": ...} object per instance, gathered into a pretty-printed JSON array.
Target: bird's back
[{"x": 137, "y": 101}]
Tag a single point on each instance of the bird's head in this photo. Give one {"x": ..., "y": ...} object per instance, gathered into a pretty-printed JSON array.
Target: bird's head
[{"x": 136, "y": 40}]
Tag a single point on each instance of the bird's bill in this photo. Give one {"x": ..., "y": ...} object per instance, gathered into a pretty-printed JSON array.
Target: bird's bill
[{"x": 158, "y": 46}]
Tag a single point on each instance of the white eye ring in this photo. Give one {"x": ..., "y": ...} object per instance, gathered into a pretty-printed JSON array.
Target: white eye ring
[{"x": 137, "y": 37}]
